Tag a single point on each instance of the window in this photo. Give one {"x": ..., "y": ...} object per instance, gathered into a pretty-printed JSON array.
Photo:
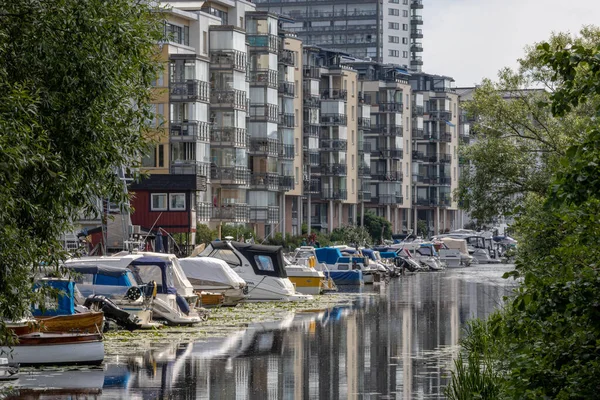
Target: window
[
  {"x": 297, "y": 92},
  {"x": 242, "y": 23},
  {"x": 352, "y": 88},
  {"x": 394, "y": 53},
  {"x": 394, "y": 1},
  {"x": 405, "y": 54},
  {"x": 394, "y": 39},
  {"x": 204, "y": 42},
  {"x": 297, "y": 147},
  {"x": 352, "y": 136},
  {"x": 394, "y": 11},
  {"x": 353, "y": 168},
  {"x": 404, "y": 13},
  {"x": 161, "y": 155},
  {"x": 404, "y": 2},
  {"x": 394, "y": 25},
  {"x": 264, "y": 263},
  {"x": 352, "y": 109},
  {"x": 404, "y": 40},
  {"x": 159, "y": 202},
  {"x": 404, "y": 27},
  {"x": 352, "y": 184},
  {"x": 149, "y": 159},
  {"x": 177, "y": 201},
  {"x": 297, "y": 174}
]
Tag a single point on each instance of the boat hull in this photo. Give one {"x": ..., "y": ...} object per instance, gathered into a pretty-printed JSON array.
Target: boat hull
[
  {"x": 56, "y": 349},
  {"x": 354, "y": 277},
  {"x": 89, "y": 322},
  {"x": 307, "y": 284}
]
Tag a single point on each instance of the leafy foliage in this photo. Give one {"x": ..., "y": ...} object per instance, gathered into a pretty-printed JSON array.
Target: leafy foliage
[
  {"x": 378, "y": 227},
  {"x": 75, "y": 81},
  {"x": 351, "y": 235}
]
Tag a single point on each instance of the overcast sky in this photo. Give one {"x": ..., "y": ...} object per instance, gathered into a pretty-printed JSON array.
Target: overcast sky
[{"x": 473, "y": 39}]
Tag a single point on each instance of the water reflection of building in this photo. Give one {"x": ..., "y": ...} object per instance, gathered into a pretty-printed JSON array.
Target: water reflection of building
[{"x": 398, "y": 344}]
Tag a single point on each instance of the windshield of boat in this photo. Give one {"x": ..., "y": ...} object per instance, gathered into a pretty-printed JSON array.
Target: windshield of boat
[
  {"x": 303, "y": 254},
  {"x": 226, "y": 255},
  {"x": 146, "y": 273}
]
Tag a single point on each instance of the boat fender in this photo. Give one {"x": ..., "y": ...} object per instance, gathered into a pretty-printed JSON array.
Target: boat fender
[{"x": 183, "y": 305}]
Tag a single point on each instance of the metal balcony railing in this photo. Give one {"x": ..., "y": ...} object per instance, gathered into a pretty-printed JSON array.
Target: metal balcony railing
[
  {"x": 416, "y": 4},
  {"x": 383, "y": 176},
  {"x": 263, "y": 77},
  {"x": 189, "y": 167},
  {"x": 287, "y": 57},
  {"x": 416, "y": 19},
  {"x": 334, "y": 119},
  {"x": 312, "y": 101},
  {"x": 364, "y": 170},
  {"x": 388, "y": 130},
  {"x": 417, "y": 111},
  {"x": 228, "y": 137},
  {"x": 334, "y": 194},
  {"x": 312, "y": 157},
  {"x": 286, "y": 151},
  {"x": 264, "y": 180},
  {"x": 228, "y": 98},
  {"x": 318, "y": 220},
  {"x": 391, "y": 107},
  {"x": 266, "y": 215},
  {"x": 311, "y": 187},
  {"x": 364, "y": 122},
  {"x": 416, "y": 61},
  {"x": 334, "y": 94},
  {"x": 204, "y": 211},
  {"x": 334, "y": 144},
  {"x": 445, "y": 180},
  {"x": 311, "y": 72},
  {"x": 334, "y": 169},
  {"x": 287, "y": 120},
  {"x": 419, "y": 134},
  {"x": 189, "y": 131},
  {"x": 445, "y": 158},
  {"x": 389, "y": 199},
  {"x": 236, "y": 212},
  {"x": 286, "y": 183},
  {"x": 440, "y": 115},
  {"x": 189, "y": 90},
  {"x": 264, "y": 147},
  {"x": 365, "y": 148},
  {"x": 228, "y": 59},
  {"x": 264, "y": 113},
  {"x": 416, "y": 33},
  {"x": 287, "y": 89},
  {"x": 263, "y": 42},
  {"x": 230, "y": 175},
  {"x": 311, "y": 130}
]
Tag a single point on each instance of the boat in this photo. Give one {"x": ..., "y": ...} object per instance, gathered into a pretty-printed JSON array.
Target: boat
[
  {"x": 43, "y": 348},
  {"x": 167, "y": 304},
  {"x": 422, "y": 252},
  {"x": 458, "y": 249},
  {"x": 304, "y": 256},
  {"x": 478, "y": 246},
  {"x": 209, "y": 274},
  {"x": 261, "y": 267},
  {"x": 113, "y": 289},
  {"x": 8, "y": 372},
  {"x": 307, "y": 280}
]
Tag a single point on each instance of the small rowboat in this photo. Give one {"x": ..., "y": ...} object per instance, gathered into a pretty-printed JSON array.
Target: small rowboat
[
  {"x": 41, "y": 348},
  {"x": 87, "y": 322}
]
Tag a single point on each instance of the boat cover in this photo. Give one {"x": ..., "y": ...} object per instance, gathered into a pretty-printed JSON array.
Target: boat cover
[
  {"x": 456, "y": 244},
  {"x": 353, "y": 277},
  {"x": 328, "y": 255},
  {"x": 103, "y": 274},
  {"x": 388, "y": 254},
  {"x": 210, "y": 270},
  {"x": 66, "y": 299}
]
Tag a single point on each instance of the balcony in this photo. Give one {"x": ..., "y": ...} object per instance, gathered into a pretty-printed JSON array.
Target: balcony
[
  {"x": 416, "y": 19},
  {"x": 189, "y": 167},
  {"x": 440, "y": 115},
  {"x": 388, "y": 152},
  {"x": 390, "y": 199},
  {"x": 264, "y": 181},
  {"x": 287, "y": 57},
  {"x": 429, "y": 179},
  {"x": 364, "y": 147},
  {"x": 391, "y": 107},
  {"x": 364, "y": 123},
  {"x": 416, "y": 4},
  {"x": 312, "y": 157},
  {"x": 445, "y": 158},
  {"x": 445, "y": 180},
  {"x": 334, "y": 194},
  {"x": 419, "y": 134},
  {"x": 229, "y": 98},
  {"x": 263, "y": 77},
  {"x": 364, "y": 170},
  {"x": 228, "y": 59},
  {"x": 286, "y": 151},
  {"x": 416, "y": 48},
  {"x": 392, "y": 176},
  {"x": 265, "y": 215},
  {"x": 416, "y": 61},
  {"x": 417, "y": 111},
  {"x": 427, "y": 158},
  {"x": 264, "y": 113},
  {"x": 334, "y": 94},
  {"x": 286, "y": 183},
  {"x": 334, "y": 144},
  {"x": 230, "y": 175},
  {"x": 264, "y": 42},
  {"x": 228, "y": 137},
  {"x": 236, "y": 212},
  {"x": 318, "y": 220},
  {"x": 287, "y": 120},
  {"x": 189, "y": 90},
  {"x": 189, "y": 131},
  {"x": 334, "y": 169},
  {"x": 334, "y": 119},
  {"x": 312, "y": 101},
  {"x": 264, "y": 147},
  {"x": 364, "y": 195},
  {"x": 311, "y": 130},
  {"x": 287, "y": 89},
  {"x": 311, "y": 72},
  {"x": 444, "y": 137},
  {"x": 416, "y": 34},
  {"x": 387, "y": 130},
  {"x": 311, "y": 187}
]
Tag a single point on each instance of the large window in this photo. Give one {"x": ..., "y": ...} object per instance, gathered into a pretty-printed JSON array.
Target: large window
[
  {"x": 177, "y": 201},
  {"x": 394, "y": 39},
  {"x": 394, "y": 11},
  {"x": 159, "y": 202},
  {"x": 394, "y": 25}
]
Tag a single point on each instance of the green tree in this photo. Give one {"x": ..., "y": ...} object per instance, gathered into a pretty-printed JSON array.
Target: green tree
[
  {"x": 422, "y": 228},
  {"x": 75, "y": 81},
  {"x": 204, "y": 234},
  {"x": 351, "y": 235},
  {"x": 378, "y": 227}
]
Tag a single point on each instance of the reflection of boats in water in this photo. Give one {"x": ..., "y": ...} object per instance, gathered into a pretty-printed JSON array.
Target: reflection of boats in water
[{"x": 58, "y": 384}]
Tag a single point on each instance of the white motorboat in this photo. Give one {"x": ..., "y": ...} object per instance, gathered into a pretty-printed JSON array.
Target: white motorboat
[
  {"x": 41, "y": 348},
  {"x": 422, "y": 252},
  {"x": 305, "y": 257},
  {"x": 457, "y": 248},
  {"x": 477, "y": 245},
  {"x": 167, "y": 304},
  {"x": 262, "y": 267},
  {"x": 214, "y": 275}
]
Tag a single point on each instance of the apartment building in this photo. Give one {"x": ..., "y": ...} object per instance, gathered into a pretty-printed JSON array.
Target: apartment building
[
  {"x": 388, "y": 31},
  {"x": 435, "y": 141}
]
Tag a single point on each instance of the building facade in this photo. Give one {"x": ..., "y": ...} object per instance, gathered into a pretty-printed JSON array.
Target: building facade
[{"x": 389, "y": 32}]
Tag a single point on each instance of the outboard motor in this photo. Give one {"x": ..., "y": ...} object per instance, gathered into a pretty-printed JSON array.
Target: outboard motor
[{"x": 113, "y": 312}]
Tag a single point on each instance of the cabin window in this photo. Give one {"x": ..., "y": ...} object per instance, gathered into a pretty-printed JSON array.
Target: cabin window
[
  {"x": 264, "y": 263},
  {"x": 159, "y": 202},
  {"x": 177, "y": 201},
  {"x": 343, "y": 267},
  {"x": 83, "y": 279}
]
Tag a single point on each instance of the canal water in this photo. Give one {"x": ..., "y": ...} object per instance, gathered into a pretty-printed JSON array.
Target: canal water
[{"x": 394, "y": 341}]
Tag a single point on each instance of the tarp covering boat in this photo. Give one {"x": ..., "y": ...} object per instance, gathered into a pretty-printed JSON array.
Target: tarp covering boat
[
  {"x": 66, "y": 299},
  {"x": 456, "y": 244},
  {"x": 352, "y": 277},
  {"x": 210, "y": 271}
]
